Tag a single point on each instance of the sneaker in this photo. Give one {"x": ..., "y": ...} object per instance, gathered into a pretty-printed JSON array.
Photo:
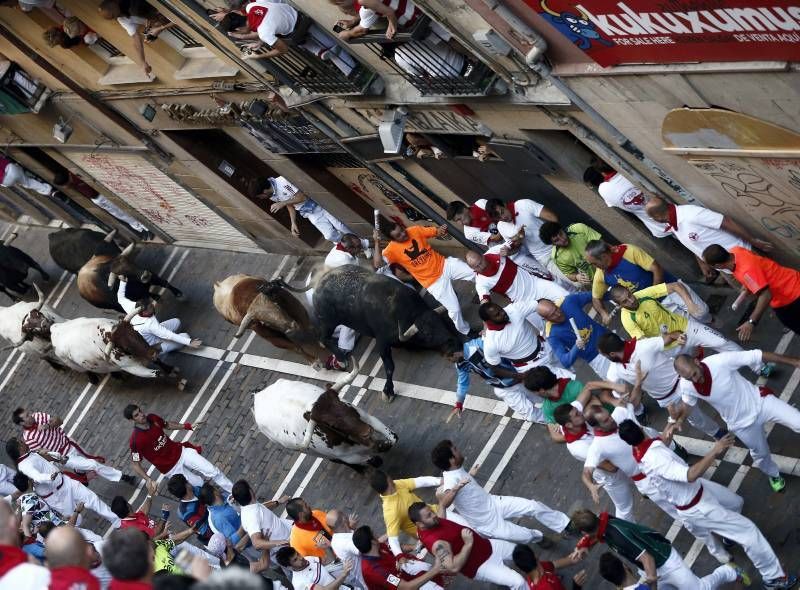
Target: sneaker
[
  {"x": 784, "y": 583},
  {"x": 741, "y": 575},
  {"x": 720, "y": 433},
  {"x": 766, "y": 369},
  {"x": 778, "y": 483},
  {"x": 128, "y": 479}
]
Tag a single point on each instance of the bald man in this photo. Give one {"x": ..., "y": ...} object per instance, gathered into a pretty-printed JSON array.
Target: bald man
[
  {"x": 17, "y": 573},
  {"x": 697, "y": 228},
  {"x": 69, "y": 557},
  {"x": 342, "y": 545}
]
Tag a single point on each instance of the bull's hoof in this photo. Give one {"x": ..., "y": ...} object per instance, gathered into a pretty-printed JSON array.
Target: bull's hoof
[
  {"x": 375, "y": 462},
  {"x": 182, "y": 384},
  {"x": 388, "y": 397}
]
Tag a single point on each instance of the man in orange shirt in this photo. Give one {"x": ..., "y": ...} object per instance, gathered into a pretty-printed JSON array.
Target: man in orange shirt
[
  {"x": 310, "y": 534},
  {"x": 409, "y": 247},
  {"x": 775, "y": 285}
]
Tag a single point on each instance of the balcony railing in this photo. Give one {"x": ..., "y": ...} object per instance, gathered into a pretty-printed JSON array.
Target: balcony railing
[{"x": 429, "y": 62}]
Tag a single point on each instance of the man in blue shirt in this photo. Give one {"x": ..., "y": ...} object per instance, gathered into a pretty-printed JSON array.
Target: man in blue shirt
[
  {"x": 190, "y": 509},
  {"x": 562, "y": 337},
  {"x": 509, "y": 389}
]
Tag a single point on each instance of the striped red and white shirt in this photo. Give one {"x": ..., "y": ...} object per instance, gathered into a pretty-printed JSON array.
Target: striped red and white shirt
[{"x": 50, "y": 439}]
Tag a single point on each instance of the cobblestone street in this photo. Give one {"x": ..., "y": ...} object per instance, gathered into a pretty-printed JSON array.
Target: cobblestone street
[{"x": 516, "y": 458}]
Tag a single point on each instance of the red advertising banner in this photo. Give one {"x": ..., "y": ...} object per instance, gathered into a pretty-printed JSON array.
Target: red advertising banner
[{"x": 669, "y": 31}]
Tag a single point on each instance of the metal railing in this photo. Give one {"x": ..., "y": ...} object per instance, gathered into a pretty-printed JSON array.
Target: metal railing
[
  {"x": 110, "y": 50},
  {"x": 183, "y": 37},
  {"x": 429, "y": 62}
]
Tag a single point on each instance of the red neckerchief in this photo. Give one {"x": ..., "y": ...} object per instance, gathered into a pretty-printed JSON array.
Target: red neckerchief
[
  {"x": 11, "y": 557},
  {"x": 480, "y": 218},
  {"x": 510, "y": 207},
  {"x": 562, "y": 385},
  {"x": 571, "y": 437},
  {"x": 493, "y": 326},
  {"x": 311, "y": 525},
  {"x": 627, "y": 351},
  {"x": 492, "y": 265},
  {"x": 340, "y": 247},
  {"x": 617, "y": 252},
  {"x": 672, "y": 213},
  {"x": 588, "y": 541},
  {"x": 704, "y": 388},
  {"x": 608, "y": 175},
  {"x": 69, "y": 577},
  {"x": 599, "y": 432},
  {"x": 640, "y": 449}
]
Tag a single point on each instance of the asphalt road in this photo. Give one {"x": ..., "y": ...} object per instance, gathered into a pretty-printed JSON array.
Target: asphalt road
[{"x": 516, "y": 458}]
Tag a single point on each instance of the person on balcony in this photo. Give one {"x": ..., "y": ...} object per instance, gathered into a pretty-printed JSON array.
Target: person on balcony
[
  {"x": 141, "y": 21},
  {"x": 72, "y": 33},
  {"x": 269, "y": 21},
  {"x": 12, "y": 174}
]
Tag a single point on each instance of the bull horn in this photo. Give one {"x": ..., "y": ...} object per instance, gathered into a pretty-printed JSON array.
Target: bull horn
[
  {"x": 108, "y": 349},
  {"x": 112, "y": 280},
  {"x": 11, "y": 237},
  {"x": 132, "y": 314},
  {"x": 441, "y": 310},
  {"x": 40, "y": 297},
  {"x": 128, "y": 249},
  {"x": 110, "y": 236},
  {"x": 248, "y": 317},
  {"x": 405, "y": 336},
  {"x": 286, "y": 285},
  {"x": 308, "y": 434},
  {"x": 347, "y": 379}
]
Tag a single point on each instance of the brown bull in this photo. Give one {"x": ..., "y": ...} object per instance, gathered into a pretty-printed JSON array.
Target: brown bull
[{"x": 271, "y": 311}]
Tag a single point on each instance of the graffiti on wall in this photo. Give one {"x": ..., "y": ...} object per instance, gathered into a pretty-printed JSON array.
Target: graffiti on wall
[{"x": 768, "y": 189}]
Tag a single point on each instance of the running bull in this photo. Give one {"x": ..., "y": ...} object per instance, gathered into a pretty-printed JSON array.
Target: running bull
[
  {"x": 304, "y": 417},
  {"x": 383, "y": 308},
  {"x": 99, "y": 262},
  {"x": 14, "y": 267},
  {"x": 26, "y": 325},
  {"x": 271, "y": 311}
]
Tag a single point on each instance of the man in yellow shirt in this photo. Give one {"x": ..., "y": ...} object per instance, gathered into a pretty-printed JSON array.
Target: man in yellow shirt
[
  {"x": 643, "y": 315},
  {"x": 396, "y": 496}
]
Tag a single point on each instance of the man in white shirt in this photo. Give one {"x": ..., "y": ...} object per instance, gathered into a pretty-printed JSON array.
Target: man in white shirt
[
  {"x": 342, "y": 545},
  {"x": 744, "y": 406},
  {"x": 519, "y": 222},
  {"x": 617, "y": 191},
  {"x": 703, "y": 502},
  {"x": 697, "y": 228},
  {"x": 646, "y": 358},
  {"x": 268, "y": 21},
  {"x": 572, "y": 429},
  {"x": 61, "y": 493},
  {"x": 488, "y": 514},
  {"x": 511, "y": 334},
  {"x": 502, "y": 276},
  {"x": 286, "y": 195},
  {"x": 308, "y": 573},
  {"x": 149, "y": 328},
  {"x": 267, "y": 532}
]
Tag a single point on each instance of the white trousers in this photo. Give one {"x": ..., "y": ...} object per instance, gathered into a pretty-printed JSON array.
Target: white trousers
[
  {"x": 495, "y": 571},
  {"x": 506, "y": 507},
  {"x": 674, "y": 302},
  {"x": 173, "y": 325},
  {"x": 773, "y": 409},
  {"x": 76, "y": 461},
  {"x": 548, "y": 359},
  {"x": 619, "y": 488},
  {"x": 346, "y": 338},
  {"x": 676, "y": 575},
  {"x": 125, "y": 217},
  {"x": 331, "y": 228},
  {"x": 16, "y": 175},
  {"x": 442, "y": 290},
  {"x": 698, "y": 334},
  {"x": 71, "y": 493},
  {"x": 718, "y": 512},
  {"x": 190, "y": 462},
  {"x": 600, "y": 365},
  {"x": 522, "y": 401},
  {"x": 323, "y": 46}
]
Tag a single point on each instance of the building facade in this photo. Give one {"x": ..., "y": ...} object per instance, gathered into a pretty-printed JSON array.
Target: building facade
[{"x": 508, "y": 99}]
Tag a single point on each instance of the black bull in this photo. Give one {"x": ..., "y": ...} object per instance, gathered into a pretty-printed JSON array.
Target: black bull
[
  {"x": 14, "y": 266},
  {"x": 383, "y": 308}
]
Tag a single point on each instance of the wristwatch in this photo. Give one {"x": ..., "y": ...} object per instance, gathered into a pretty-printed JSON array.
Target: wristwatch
[{"x": 751, "y": 321}]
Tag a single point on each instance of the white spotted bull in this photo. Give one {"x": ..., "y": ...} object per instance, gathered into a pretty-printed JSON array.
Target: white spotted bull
[
  {"x": 26, "y": 325},
  {"x": 304, "y": 417}
]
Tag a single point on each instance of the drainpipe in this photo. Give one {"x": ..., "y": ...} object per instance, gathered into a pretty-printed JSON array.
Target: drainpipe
[
  {"x": 315, "y": 120},
  {"x": 99, "y": 105},
  {"x": 493, "y": 11}
]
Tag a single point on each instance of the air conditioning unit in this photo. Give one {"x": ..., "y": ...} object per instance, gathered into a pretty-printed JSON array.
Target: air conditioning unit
[{"x": 492, "y": 42}]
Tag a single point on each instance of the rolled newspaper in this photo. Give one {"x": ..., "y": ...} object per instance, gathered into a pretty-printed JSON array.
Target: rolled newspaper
[
  {"x": 739, "y": 300},
  {"x": 575, "y": 329}
]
